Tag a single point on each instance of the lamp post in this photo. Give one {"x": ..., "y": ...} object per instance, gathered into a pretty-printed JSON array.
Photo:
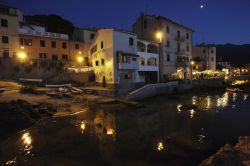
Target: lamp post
[
  {"x": 79, "y": 58},
  {"x": 159, "y": 36},
  {"x": 191, "y": 77}
]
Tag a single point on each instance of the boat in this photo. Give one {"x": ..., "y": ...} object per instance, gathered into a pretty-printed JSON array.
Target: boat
[
  {"x": 76, "y": 90},
  {"x": 234, "y": 90},
  {"x": 58, "y": 86},
  {"x": 54, "y": 94},
  {"x": 2, "y": 89}
]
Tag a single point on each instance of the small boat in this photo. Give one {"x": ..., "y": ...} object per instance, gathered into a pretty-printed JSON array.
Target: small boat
[
  {"x": 76, "y": 90},
  {"x": 53, "y": 94},
  {"x": 234, "y": 90},
  {"x": 2, "y": 89},
  {"x": 67, "y": 94},
  {"x": 58, "y": 86}
]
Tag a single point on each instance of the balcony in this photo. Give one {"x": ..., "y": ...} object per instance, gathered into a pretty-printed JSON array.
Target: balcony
[
  {"x": 181, "y": 52},
  {"x": 180, "y": 38},
  {"x": 127, "y": 61}
]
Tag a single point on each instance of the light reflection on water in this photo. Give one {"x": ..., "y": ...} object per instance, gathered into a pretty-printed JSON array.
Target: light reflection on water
[
  {"x": 133, "y": 131},
  {"x": 27, "y": 142}
]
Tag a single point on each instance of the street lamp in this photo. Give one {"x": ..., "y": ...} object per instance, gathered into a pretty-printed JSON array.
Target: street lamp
[
  {"x": 79, "y": 57},
  {"x": 22, "y": 56},
  {"x": 159, "y": 37}
]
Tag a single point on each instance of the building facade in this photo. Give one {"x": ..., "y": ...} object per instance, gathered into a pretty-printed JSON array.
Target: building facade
[
  {"x": 175, "y": 42},
  {"x": 118, "y": 62},
  {"x": 204, "y": 57},
  {"x": 9, "y": 25}
]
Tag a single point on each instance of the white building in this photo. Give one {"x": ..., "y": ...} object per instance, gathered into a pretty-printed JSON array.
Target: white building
[
  {"x": 176, "y": 42},
  {"x": 204, "y": 56},
  {"x": 119, "y": 63}
]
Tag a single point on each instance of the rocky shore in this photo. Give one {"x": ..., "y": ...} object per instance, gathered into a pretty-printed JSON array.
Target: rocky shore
[
  {"x": 238, "y": 155},
  {"x": 20, "y": 114}
]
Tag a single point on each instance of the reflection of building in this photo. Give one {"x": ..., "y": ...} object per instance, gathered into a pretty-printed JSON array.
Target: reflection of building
[
  {"x": 9, "y": 24},
  {"x": 119, "y": 63},
  {"x": 176, "y": 41},
  {"x": 204, "y": 57}
]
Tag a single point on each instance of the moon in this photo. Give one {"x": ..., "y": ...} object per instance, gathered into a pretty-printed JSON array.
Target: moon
[{"x": 202, "y": 6}]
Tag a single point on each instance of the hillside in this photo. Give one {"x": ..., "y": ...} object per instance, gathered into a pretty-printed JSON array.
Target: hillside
[{"x": 236, "y": 54}]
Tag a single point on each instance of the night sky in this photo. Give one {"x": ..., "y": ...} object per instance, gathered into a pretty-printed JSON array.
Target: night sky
[{"x": 219, "y": 21}]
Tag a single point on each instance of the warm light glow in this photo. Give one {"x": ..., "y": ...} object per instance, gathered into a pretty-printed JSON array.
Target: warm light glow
[
  {"x": 179, "y": 107},
  {"x": 83, "y": 125},
  {"x": 22, "y": 47},
  {"x": 80, "y": 52},
  {"x": 22, "y": 56},
  {"x": 110, "y": 131},
  {"x": 226, "y": 77},
  {"x": 160, "y": 146},
  {"x": 26, "y": 139},
  {"x": 192, "y": 62},
  {"x": 192, "y": 112},
  {"x": 79, "y": 59},
  {"x": 108, "y": 63},
  {"x": 159, "y": 36}
]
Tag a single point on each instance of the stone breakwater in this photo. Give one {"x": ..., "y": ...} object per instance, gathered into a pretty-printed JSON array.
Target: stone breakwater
[{"x": 238, "y": 155}]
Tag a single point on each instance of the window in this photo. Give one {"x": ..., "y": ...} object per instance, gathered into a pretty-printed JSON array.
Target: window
[
  {"x": 178, "y": 48},
  {"x": 145, "y": 24},
  {"x": 64, "y": 45},
  {"x": 102, "y": 44},
  {"x": 178, "y": 34},
  {"x": 27, "y": 42},
  {"x": 133, "y": 59},
  {"x": 212, "y": 59},
  {"x": 6, "y": 54},
  {"x": 93, "y": 49},
  {"x": 54, "y": 57},
  {"x": 42, "y": 55},
  {"x": 131, "y": 41},
  {"x": 21, "y": 41},
  {"x": 4, "y": 23},
  {"x": 168, "y": 57},
  {"x": 187, "y": 47},
  {"x": 42, "y": 43},
  {"x": 76, "y": 46},
  {"x": 168, "y": 43},
  {"x": 212, "y": 51},
  {"x": 96, "y": 63},
  {"x": 167, "y": 29},
  {"x": 204, "y": 50},
  {"x": 92, "y": 36},
  {"x": 53, "y": 44},
  {"x": 187, "y": 36},
  {"x": 5, "y": 39},
  {"x": 65, "y": 57},
  {"x": 102, "y": 61}
]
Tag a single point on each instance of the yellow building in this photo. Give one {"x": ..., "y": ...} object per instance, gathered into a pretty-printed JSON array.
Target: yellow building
[{"x": 9, "y": 24}]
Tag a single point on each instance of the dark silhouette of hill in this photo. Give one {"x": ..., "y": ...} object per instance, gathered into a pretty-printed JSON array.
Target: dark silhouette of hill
[
  {"x": 53, "y": 23},
  {"x": 238, "y": 55}
]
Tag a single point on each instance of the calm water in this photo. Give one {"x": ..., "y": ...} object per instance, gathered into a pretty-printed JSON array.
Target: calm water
[{"x": 166, "y": 131}]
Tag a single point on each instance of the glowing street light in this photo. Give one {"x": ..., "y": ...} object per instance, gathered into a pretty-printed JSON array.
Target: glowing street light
[
  {"x": 192, "y": 63},
  {"x": 79, "y": 59},
  {"x": 22, "y": 56},
  {"x": 159, "y": 36}
]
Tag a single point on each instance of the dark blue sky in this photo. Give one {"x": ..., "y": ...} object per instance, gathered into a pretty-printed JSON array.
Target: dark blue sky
[{"x": 220, "y": 21}]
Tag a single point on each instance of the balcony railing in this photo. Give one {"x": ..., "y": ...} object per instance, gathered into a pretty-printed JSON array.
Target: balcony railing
[
  {"x": 180, "y": 38},
  {"x": 44, "y": 34}
]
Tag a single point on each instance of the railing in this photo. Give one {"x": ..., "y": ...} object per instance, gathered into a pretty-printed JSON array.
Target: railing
[{"x": 44, "y": 34}]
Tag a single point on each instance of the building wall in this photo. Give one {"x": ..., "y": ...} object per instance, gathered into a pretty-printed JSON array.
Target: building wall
[
  {"x": 106, "y": 53},
  {"x": 147, "y": 26},
  {"x": 207, "y": 54},
  {"x": 11, "y": 31}
]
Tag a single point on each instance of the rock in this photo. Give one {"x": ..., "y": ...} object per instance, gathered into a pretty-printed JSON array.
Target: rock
[{"x": 238, "y": 155}]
